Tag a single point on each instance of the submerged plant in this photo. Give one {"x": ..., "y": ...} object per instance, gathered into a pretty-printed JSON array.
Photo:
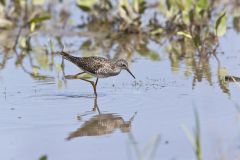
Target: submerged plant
[
  {"x": 195, "y": 137},
  {"x": 149, "y": 149}
]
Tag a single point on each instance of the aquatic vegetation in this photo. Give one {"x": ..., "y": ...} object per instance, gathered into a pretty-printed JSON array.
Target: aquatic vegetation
[
  {"x": 188, "y": 30},
  {"x": 195, "y": 138},
  {"x": 148, "y": 151},
  {"x": 43, "y": 157},
  {"x": 184, "y": 35}
]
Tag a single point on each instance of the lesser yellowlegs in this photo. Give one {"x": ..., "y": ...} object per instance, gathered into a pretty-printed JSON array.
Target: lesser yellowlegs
[{"x": 98, "y": 67}]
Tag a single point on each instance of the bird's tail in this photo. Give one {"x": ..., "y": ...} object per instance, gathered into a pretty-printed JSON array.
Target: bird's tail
[{"x": 68, "y": 56}]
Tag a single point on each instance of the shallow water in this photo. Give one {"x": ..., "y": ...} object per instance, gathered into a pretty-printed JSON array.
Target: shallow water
[
  {"x": 130, "y": 119},
  {"x": 37, "y": 117}
]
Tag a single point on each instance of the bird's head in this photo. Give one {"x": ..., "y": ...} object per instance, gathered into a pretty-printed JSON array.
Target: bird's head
[{"x": 123, "y": 64}]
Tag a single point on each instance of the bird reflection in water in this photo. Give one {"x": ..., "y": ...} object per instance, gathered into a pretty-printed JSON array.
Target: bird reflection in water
[{"x": 102, "y": 124}]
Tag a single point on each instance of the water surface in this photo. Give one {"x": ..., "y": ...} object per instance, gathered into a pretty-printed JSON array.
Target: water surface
[{"x": 130, "y": 119}]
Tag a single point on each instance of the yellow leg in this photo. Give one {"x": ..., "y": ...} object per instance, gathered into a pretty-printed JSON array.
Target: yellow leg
[
  {"x": 92, "y": 83},
  {"x": 73, "y": 76},
  {"x": 95, "y": 87}
]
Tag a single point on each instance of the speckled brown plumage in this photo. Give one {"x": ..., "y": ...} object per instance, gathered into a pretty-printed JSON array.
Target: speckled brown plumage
[{"x": 96, "y": 66}]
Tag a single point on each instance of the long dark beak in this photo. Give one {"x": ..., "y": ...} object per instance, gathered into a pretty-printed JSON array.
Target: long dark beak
[{"x": 130, "y": 73}]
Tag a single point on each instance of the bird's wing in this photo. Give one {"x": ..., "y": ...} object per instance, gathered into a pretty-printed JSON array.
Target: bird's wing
[
  {"x": 94, "y": 65},
  {"x": 105, "y": 71}
]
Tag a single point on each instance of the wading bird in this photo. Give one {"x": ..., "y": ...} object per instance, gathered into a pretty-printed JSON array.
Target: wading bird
[{"x": 98, "y": 67}]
